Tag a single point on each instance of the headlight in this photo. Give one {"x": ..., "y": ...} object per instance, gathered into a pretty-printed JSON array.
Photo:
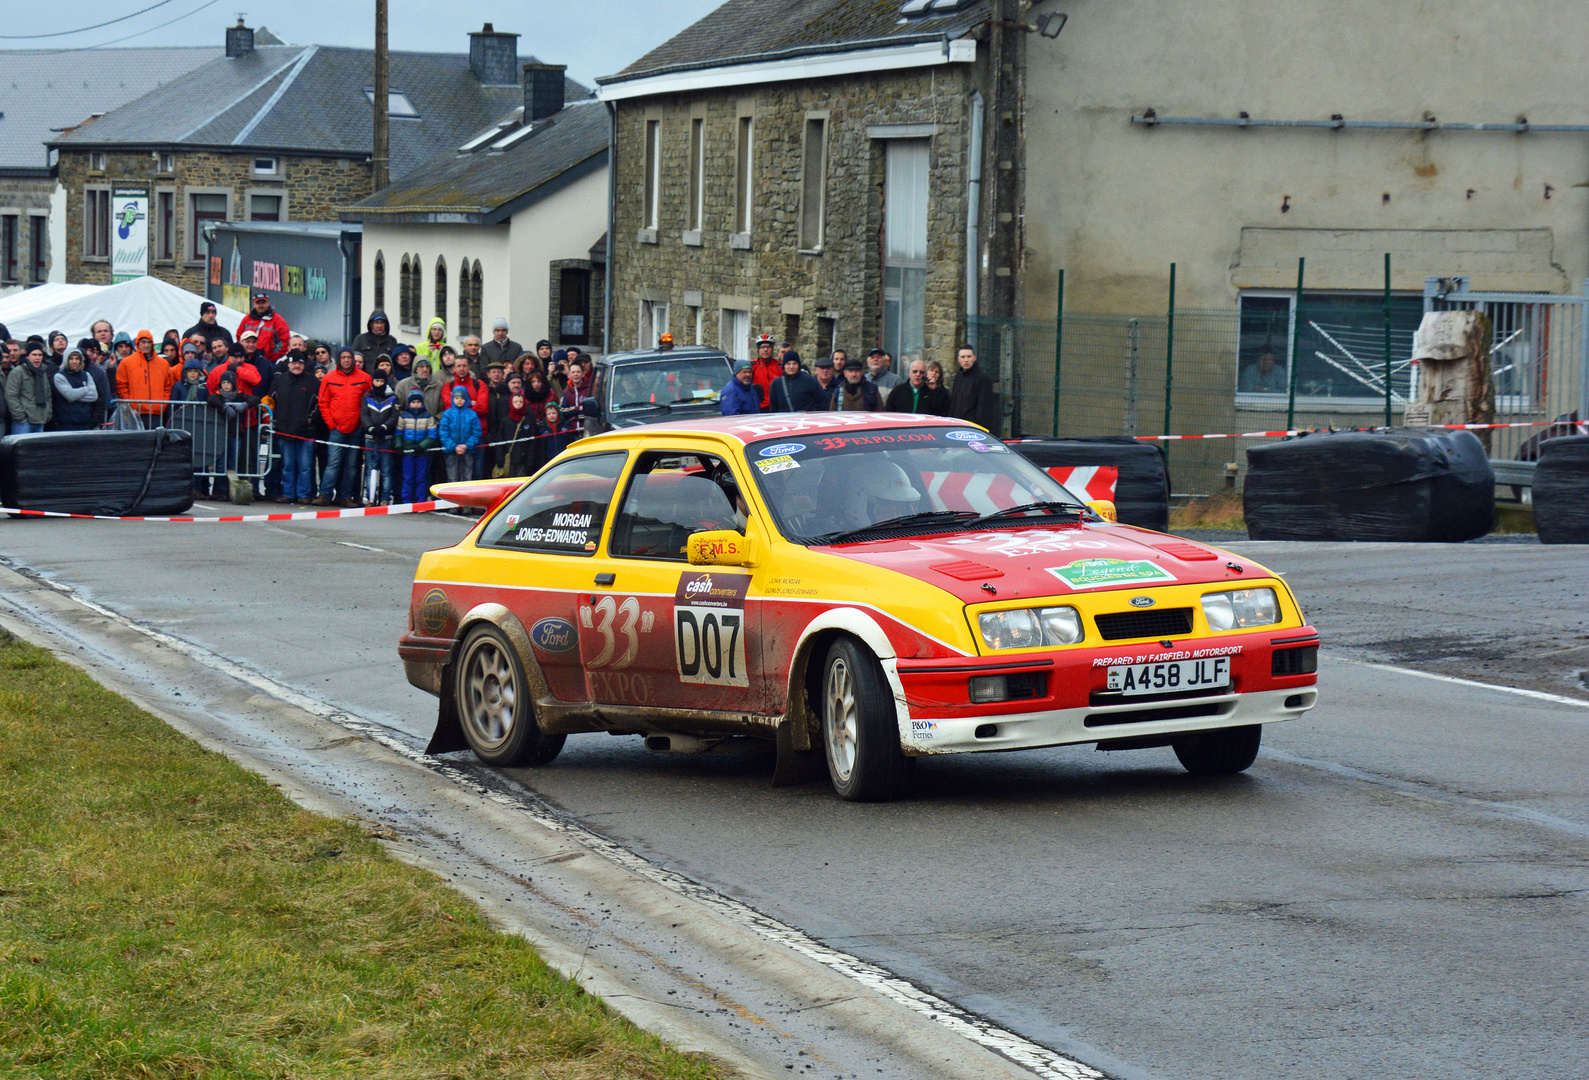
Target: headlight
[
  {"x": 1027, "y": 628},
  {"x": 1241, "y": 608}
]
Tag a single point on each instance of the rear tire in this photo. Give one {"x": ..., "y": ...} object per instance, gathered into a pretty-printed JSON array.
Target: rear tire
[
  {"x": 860, "y": 729},
  {"x": 493, "y": 702},
  {"x": 1219, "y": 753}
]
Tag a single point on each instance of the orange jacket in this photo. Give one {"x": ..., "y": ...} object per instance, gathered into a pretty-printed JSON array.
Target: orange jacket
[{"x": 145, "y": 381}]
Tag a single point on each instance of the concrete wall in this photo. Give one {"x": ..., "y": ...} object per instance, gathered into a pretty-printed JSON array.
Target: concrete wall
[
  {"x": 562, "y": 226},
  {"x": 1115, "y": 204},
  {"x": 514, "y": 260},
  {"x": 772, "y": 278}
]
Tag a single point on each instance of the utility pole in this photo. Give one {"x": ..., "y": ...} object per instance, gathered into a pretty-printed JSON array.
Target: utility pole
[
  {"x": 1006, "y": 55},
  {"x": 382, "y": 158}
]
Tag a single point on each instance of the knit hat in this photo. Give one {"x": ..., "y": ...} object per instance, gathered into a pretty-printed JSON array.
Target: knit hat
[
  {"x": 500, "y": 324},
  {"x": 416, "y": 394},
  {"x": 192, "y": 364},
  {"x": 741, "y": 365},
  {"x": 791, "y": 355}
]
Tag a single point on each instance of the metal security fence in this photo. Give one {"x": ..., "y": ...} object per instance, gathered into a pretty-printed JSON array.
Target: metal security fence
[
  {"x": 221, "y": 443},
  {"x": 1282, "y": 359}
]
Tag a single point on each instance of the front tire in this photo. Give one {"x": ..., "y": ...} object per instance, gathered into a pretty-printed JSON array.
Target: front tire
[
  {"x": 859, "y": 727},
  {"x": 493, "y": 702},
  {"x": 1219, "y": 753}
]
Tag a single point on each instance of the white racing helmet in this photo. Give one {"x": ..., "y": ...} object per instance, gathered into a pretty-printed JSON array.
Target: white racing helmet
[{"x": 887, "y": 481}]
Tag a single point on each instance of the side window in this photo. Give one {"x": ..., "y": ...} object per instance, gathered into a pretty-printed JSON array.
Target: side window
[
  {"x": 561, "y": 511},
  {"x": 670, "y": 496}
]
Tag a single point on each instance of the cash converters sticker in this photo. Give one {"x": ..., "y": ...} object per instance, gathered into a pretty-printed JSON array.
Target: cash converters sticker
[
  {"x": 1096, "y": 573},
  {"x": 709, "y": 629}
]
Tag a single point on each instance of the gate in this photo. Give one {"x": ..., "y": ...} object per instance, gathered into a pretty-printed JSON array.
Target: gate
[{"x": 1539, "y": 359}]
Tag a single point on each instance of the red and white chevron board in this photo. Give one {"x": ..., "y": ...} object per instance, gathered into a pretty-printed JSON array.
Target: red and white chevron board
[
  {"x": 300, "y": 515},
  {"x": 1089, "y": 481}
]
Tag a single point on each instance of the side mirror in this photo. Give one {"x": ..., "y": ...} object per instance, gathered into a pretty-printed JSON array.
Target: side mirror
[
  {"x": 1104, "y": 509},
  {"x": 721, "y": 547}
]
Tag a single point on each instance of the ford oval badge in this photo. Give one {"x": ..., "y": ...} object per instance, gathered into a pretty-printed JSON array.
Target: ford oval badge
[
  {"x": 1142, "y": 601},
  {"x": 554, "y": 635}
]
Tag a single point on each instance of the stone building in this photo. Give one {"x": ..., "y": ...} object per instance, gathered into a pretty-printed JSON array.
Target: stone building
[
  {"x": 500, "y": 227},
  {"x": 805, "y": 171},
  {"x": 268, "y": 133},
  {"x": 42, "y": 93}
]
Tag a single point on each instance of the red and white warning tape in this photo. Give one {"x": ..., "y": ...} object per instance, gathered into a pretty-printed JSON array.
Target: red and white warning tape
[{"x": 301, "y": 515}]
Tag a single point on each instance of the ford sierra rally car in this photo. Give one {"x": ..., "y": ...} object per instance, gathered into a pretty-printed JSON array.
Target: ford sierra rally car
[{"x": 853, "y": 589}]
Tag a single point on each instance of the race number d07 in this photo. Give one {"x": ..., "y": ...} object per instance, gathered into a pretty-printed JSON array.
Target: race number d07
[
  {"x": 710, "y": 643},
  {"x": 709, "y": 629}
]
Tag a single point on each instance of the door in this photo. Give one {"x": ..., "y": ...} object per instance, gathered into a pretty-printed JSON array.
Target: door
[
  {"x": 545, "y": 541},
  {"x": 666, "y": 633}
]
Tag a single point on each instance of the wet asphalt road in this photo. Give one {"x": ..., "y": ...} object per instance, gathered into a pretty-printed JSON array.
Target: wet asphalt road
[{"x": 1397, "y": 888}]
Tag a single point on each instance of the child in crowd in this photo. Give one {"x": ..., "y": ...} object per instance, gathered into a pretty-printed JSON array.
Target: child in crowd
[
  {"x": 460, "y": 434},
  {"x": 379, "y": 420},
  {"x": 416, "y": 437},
  {"x": 231, "y": 404}
]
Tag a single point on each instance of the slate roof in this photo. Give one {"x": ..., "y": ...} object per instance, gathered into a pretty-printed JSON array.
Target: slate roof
[
  {"x": 308, "y": 99},
  {"x": 45, "y": 90},
  {"x": 749, "y": 31},
  {"x": 487, "y": 186}
]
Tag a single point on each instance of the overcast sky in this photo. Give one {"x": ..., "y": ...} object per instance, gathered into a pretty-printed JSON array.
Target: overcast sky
[{"x": 593, "y": 37}]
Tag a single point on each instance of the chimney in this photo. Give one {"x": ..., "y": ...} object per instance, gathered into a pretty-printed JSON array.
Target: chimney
[
  {"x": 543, "y": 90},
  {"x": 239, "y": 40},
  {"x": 494, "y": 57}
]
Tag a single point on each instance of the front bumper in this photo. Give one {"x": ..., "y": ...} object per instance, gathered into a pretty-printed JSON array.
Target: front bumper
[{"x": 1090, "y": 724}]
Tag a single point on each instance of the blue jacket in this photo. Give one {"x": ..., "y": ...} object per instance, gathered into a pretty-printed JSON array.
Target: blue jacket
[
  {"x": 737, "y": 399},
  {"x": 460, "y": 424}
]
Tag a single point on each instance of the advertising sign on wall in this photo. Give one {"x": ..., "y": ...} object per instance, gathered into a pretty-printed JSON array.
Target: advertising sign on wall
[
  {"x": 308, "y": 269},
  {"x": 129, "y": 233}
]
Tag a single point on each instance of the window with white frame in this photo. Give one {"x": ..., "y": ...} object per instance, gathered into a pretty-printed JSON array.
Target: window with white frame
[
  {"x": 653, "y": 172},
  {"x": 653, "y": 322},
  {"x": 733, "y": 333},
  {"x": 267, "y": 166},
  {"x": 744, "y": 189},
  {"x": 697, "y": 205},
  {"x": 813, "y": 183},
  {"x": 96, "y": 223},
  {"x": 1339, "y": 341},
  {"x": 204, "y": 206}
]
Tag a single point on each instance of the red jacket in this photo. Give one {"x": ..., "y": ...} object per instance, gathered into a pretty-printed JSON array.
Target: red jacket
[
  {"x": 764, "y": 375},
  {"x": 479, "y": 396},
  {"x": 272, "y": 331},
  {"x": 342, "y": 399},
  {"x": 247, "y": 376}
]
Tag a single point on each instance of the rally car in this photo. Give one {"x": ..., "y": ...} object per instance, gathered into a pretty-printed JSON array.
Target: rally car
[{"x": 853, "y": 589}]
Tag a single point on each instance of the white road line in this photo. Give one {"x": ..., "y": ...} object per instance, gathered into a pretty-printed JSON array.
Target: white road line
[
  {"x": 1042, "y": 1061},
  {"x": 361, "y": 547},
  {"x": 1538, "y": 695}
]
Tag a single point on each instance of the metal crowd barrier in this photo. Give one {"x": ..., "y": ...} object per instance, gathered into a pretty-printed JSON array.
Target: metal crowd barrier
[{"x": 221, "y": 444}]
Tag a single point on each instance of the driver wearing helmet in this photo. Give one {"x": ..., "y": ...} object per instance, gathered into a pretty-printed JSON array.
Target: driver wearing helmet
[{"x": 858, "y": 490}]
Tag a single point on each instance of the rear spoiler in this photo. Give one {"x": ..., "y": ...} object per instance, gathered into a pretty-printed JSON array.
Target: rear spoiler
[{"x": 485, "y": 494}]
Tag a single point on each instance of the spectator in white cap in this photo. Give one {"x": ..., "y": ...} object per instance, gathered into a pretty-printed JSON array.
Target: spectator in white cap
[{"x": 501, "y": 348}]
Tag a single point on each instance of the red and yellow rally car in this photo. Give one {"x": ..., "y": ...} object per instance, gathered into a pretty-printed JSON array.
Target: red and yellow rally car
[{"x": 855, "y": 589}]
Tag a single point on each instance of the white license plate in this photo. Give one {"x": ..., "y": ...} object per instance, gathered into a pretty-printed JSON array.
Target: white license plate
[{"x": 1170, "y": 677}]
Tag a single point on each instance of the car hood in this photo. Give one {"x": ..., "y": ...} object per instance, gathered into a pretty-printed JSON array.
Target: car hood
[
  {"x": 636, "y": 417},
  {"x": 1054, "y": 560}
]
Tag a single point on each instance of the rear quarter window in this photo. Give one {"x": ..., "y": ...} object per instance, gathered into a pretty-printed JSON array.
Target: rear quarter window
[{"x": 562, "y": 511}]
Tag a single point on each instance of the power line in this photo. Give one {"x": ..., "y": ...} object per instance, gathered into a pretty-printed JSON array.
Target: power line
[
  {"x": 141, "y": 33},
  {"x": 80, "y": 29}
]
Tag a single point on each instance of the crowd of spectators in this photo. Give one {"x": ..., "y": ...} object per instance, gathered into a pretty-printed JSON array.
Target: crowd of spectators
[
  {"x": 777, "y": 381},
  {"x": 370, "y": 423}
]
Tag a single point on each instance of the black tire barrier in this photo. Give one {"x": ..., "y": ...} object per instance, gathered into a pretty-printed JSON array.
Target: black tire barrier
[
  {"x": 1561, "y": 491},
  {"x": 1142, "y": 489},
  {"x": 119, "y": 473},
  {"x": 1409, "y": 485}
]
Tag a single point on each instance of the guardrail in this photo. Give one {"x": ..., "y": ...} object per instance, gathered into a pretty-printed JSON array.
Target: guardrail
[{"x": 222, "y": 443}]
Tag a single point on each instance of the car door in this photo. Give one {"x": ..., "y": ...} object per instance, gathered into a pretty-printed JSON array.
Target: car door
[
  {"x": 666, "y": 633},
  {"x": 544, "y": 543}
]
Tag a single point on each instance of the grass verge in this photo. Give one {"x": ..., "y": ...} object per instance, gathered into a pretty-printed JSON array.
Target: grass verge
[
  {"x": 1219, "y": 511},
  {"x": 167, "y": 914}
]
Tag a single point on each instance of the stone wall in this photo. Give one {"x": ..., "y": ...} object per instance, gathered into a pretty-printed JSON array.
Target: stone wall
[
  {"x": 314, "y": 188},
  {"x": 773, "y": 277},
  {"x": 24, "y": 197}
]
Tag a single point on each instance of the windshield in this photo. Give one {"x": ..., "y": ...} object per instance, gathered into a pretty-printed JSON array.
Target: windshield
[
  {"x": 647, "y": 384},
  {"x": 937, "y": 479}
]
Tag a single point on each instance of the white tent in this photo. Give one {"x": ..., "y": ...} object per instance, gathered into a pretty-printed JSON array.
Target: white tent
[{"x": 144, "y": 303}]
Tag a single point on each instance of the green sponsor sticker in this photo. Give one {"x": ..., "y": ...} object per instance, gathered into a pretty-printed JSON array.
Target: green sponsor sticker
[{"x": 1095, "y": 573}]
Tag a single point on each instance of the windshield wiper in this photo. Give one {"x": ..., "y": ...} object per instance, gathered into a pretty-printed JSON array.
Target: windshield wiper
[
  {"x": 645, "y": 404},
  {"x": 1023, "y": 508},
  {"x": 903, "y": 521}
]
